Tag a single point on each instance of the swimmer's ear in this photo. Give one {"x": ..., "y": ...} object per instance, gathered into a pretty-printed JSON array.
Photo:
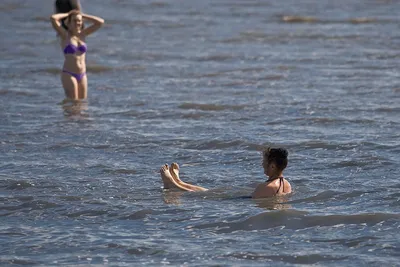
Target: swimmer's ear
[{"x": 272, "y": 165}]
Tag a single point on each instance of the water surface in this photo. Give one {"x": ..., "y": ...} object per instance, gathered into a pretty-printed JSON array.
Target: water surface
[{"x": 207, "y": 84}]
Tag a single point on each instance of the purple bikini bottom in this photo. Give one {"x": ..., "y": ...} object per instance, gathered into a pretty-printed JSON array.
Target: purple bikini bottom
[{"x": 78, "y": 76}]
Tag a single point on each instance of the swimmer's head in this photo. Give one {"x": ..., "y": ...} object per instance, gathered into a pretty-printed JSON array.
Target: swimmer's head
[
  {"x": 75, "y": 21},
  {"x": 275, "y": 159},
  {"x": 65, "y": 6}
]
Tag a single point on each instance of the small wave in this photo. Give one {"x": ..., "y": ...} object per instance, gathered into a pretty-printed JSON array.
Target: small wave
[
  {"x": 388, "y": 109},
  {"x": 18, "y": 262},
  {"x": 353, "y": 194},
  {"x": 253, "y": 34},
  {"x": 327, "y": 120},
  {"x": 13, "y": 233},
  {"x": 142, "y": 250},
  {"x": 128, "y": 113},
  {"x": 114, "y": 245},
  {"x": 232, "y": 71},
  {"x": 298, "y": 19},
  {"x": 120, "y": 171},
  {"x": 293, "y": 259},
  {"x": 307, "y": 19},
  {"x": 39, "y": 205},
  {"x": 271, "y": 78},
  {"x": 159, "y": 4},
  {"x": 213, "y": 74},
  {"x": 194, "y": 116},
  {"x": 21, "y": 93},
  {"x": 348, "y": 242},
  {"x": 19, "y": 185},
  {"x": 241, "y": 4},
  {"x": 8, "y": 208},
  {"x": 86, "y": 213},
  {"x": 293, "y": 219},
  {"x": 216, "y": 58},
  {"x": 362, "y": 20},
  {"x": 210, "y": 107},
  {"x": 4, "y": 91},
  {"x": 215, "y": 144},
  {"x": 312, "y": 144},
  {"x": 326, "y": 195},
  {"x": 137, "y": 251},
  {"x": 239, "y": 83},
  {"x": 249, "y": 36},
  {"x": 361, "y": 161},
  {"x": 61, "y": 145},
  {"x": 71, "y": 198},
  {"x": 141, "y": 214},
  {"x": 170, "y": 25}
]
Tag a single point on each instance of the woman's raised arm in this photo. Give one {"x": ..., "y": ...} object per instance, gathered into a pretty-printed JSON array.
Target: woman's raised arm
[
  {"x": 56, "y": 22},
  {"x": 97, "y": 23}
]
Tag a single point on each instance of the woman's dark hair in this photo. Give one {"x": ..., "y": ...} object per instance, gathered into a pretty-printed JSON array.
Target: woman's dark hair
[
  {"x": 65, "y": 6},
  {"x": 277, "y": 155}
]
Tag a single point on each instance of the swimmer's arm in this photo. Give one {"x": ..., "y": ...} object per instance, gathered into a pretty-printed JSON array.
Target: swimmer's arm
[
  {"x": 188, "y": 187},
  {"x": 194, "y": 187},
  {"x": 97, "y": 23},
  {"x": 56, "y": 23},
  {"x": 263, "y": 191},
  {"x": 182, "y": 187}
]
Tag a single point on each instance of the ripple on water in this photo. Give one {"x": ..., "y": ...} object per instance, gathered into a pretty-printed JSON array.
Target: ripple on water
[
  {"x": 11, "y": 184},
  {"x": 210, "y": 107},
  {"x": 19, "y": 262},
  {"x": 296, "y": 220},
  {"x": 292, "y": 259}
]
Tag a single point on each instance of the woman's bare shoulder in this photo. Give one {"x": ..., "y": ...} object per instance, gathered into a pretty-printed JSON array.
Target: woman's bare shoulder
[
  {"x": 288, "y": 186},
  {"x": 263, "y": 190}
]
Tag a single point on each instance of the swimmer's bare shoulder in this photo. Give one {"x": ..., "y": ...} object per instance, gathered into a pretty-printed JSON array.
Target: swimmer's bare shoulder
[
  {"x": 288, "y": 187},
  {"x": 269, "y": 189},
  {"x": 263, "y": 190}
]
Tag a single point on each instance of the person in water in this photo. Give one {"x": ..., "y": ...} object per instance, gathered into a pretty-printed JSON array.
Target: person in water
[
  {"x": 73, "y": 76},
  {"x": 275, "y": 161}
]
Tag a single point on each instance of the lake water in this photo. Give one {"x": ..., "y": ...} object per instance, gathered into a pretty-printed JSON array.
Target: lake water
[{"x": 206, "y": 84}]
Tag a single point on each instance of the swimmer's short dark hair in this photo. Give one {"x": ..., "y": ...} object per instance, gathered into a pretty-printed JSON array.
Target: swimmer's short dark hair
[{"x": 277, "y": 155}]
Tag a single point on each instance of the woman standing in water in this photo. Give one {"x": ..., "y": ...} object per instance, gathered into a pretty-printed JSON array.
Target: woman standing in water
[{"x": 73, "y": 35}]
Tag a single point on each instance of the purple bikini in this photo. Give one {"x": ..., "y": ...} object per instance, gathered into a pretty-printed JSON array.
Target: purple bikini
[{"x": 73, "y": 49}]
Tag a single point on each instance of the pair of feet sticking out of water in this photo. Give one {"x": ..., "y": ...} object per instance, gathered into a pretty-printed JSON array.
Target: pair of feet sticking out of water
[{"x": 171, "y": 180}]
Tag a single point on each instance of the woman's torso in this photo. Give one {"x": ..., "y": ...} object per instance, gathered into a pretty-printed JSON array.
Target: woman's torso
[{"x": 74, "y": 49}]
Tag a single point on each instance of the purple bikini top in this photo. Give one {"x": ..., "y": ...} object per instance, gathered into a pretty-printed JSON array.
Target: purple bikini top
[{"x": 72, "y": 49}]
